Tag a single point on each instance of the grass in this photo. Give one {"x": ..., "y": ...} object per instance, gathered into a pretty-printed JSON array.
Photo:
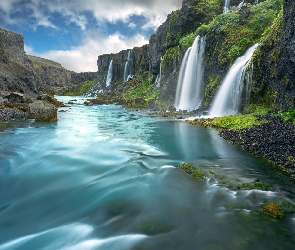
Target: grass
[{"x": 84, "y": 88}]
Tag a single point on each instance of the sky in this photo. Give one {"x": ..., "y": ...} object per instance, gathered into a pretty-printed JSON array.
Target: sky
[{"x": 74, "y": 32}]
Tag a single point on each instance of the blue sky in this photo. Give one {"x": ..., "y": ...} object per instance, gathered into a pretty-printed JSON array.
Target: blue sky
[{"x": 75, "y": 32}]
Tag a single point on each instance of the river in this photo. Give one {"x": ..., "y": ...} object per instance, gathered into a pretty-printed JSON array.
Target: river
[{"x": 104, "y": 177}]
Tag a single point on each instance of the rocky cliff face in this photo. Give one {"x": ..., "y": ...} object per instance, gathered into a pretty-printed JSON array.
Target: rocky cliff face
[
  {"x": 138, "y": 62},
  {"x": 274, "y": 63},
  {"x": 16, "y": 70},
  {"x": 33, "y": 75}
]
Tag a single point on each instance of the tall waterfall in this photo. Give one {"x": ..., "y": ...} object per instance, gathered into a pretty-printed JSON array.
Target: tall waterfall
[
  {"x": 228, "y": 97},
  {"x": 226, "y": 7},
  {"x": 110, "y": 74},
  {"x": 127, "y": 69},
  {"x": 189, "y": 92}
]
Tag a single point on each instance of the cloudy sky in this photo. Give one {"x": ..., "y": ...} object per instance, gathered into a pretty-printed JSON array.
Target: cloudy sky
[{"x": 75, "y": 32}]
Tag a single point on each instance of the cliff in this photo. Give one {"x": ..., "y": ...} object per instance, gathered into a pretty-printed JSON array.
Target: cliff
[
  {"x": 16, "y": 70},
  {"x": 33, "y": 75},
  {"x": 138, "y": 62},
  {"x": 274, "y": 63}
]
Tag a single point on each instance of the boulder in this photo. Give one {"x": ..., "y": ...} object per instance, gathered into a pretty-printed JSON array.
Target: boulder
[
  {"x": 43, "y": 111},
  {"x": 50, "y": 99},
  {"x": 15, "y": 97}
]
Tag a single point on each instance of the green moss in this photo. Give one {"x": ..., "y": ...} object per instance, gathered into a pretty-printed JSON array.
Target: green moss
[
  {"x": 187, "y": 41},
  {"x": 192, "y": 170},
  {"x": 85, "y": 87},
  {"x": 170, "y": 54},
  {"x": 278, "y": 210},
  {"x": 236, "y": 122},
  {"x": 237, "y": 38},
  {"x": 211, "y": 89}
]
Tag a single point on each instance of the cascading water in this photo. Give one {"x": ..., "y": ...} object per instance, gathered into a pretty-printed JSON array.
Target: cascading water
[
  {"x": 189, "y": 93},
  {"x": 110, "y": 74},
  {"x": 158, "y": 79},
  {"x": 228, "y": 97},
  {"x": 127, "y": 69},
  {"x": 241, "y": 4},
  {"x": 226, "y": 7}
]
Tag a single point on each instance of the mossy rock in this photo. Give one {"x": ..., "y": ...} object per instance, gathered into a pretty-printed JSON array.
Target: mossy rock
[
  {"x": 278, "y": 210},
  {"x": 192, "y": 170}
]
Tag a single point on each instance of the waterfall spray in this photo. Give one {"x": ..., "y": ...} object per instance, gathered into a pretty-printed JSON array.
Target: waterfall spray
[
  {"x": 189, "y": 93},
  {"x": 228, "y": 98}
]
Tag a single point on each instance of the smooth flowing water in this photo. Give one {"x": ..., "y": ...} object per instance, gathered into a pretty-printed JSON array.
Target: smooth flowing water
[
  {"x": 189, "y": 93},
  {"x": 103, "y": 177},
  {"x": 228, "y": 98},
  {"x": 110, "y": 74},
  {"x": 127, "y": 68},
  {"x": 226, "y": 7}
]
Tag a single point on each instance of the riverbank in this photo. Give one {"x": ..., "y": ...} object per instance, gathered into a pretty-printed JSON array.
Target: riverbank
[{"x": 270, "y": 135}]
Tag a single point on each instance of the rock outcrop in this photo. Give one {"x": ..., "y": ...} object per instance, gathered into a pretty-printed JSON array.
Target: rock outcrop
[
  {"x": 274, "y": 63},
  {"x": 16, "y": 70},
  {"x": 33, "y": 75},
  {"x": 43, "y": 111},
  {"x": 138, "y": 62}
]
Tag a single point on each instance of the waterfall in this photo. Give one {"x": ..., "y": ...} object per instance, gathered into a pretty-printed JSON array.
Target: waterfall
[
  {"x": 189, "y": 92},
  {"x": 158, "y": 79},
  {"x": 228, "y": 97},
  {"x": 127, "y": 69},
  {"x": 110, "y": 74},
  {"x": 226, "y": 7},
  {"x": 241, "y": 4}
]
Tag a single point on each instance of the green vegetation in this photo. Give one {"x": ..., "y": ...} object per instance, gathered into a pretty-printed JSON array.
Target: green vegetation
[
  {"x": 211, "y": 89},
  {"x": 237, "y": 38},
  {"x": 235, "y": 122},
  {"x": 136, "y": 93},
  {"x": 170, "y": 54},
  {"x": 278, "y": 210},
  {"x": 84, "y": 88},
  {"x": 288, "y": 116},
  {"x": 191, "y": 170}
]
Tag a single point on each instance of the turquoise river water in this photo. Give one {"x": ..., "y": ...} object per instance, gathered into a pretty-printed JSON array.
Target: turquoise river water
[{"x": 104, "y": 177}]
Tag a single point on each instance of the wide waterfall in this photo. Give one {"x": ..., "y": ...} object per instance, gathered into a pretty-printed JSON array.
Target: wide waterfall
[
  {"x": 127, "y": 69},
  {"x": 189, "y": 93},
  {"x": 226, "y": 7},
  {"x": 110, "y": 74},
  {"x": 228, "y": 98}
]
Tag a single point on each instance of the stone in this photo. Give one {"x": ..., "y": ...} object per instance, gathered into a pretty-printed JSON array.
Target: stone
[{"x": 43, "y": 111}]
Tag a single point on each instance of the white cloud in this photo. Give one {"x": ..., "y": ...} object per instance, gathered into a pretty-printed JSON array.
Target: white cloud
[
  {"x": 83, "y": 58},
  {"x": 132, "y": 25},
  {"x": 114, "y": 10}
]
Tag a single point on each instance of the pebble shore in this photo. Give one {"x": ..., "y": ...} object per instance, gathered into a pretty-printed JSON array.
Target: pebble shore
[{"x": 273, "y": 140}]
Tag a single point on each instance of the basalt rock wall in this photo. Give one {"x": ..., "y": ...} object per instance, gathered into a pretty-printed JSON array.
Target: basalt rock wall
[
  {"x": 138, "y": 62},
  {"x": 274, "y": 63}
]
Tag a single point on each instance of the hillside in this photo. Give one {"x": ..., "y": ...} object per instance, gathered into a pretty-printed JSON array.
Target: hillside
[
  {"x": 33, "y": 75},
  {"x": 228, "y": 36}
]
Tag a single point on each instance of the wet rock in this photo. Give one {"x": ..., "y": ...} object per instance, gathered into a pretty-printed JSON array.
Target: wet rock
[
  {"x": 7, "y": 114},
  {"x": 50, "y": 99},
  {"x": 43, "y": 111},
  {"x": 244, "y": 13},
  {"x": 88, "y": 103}
]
